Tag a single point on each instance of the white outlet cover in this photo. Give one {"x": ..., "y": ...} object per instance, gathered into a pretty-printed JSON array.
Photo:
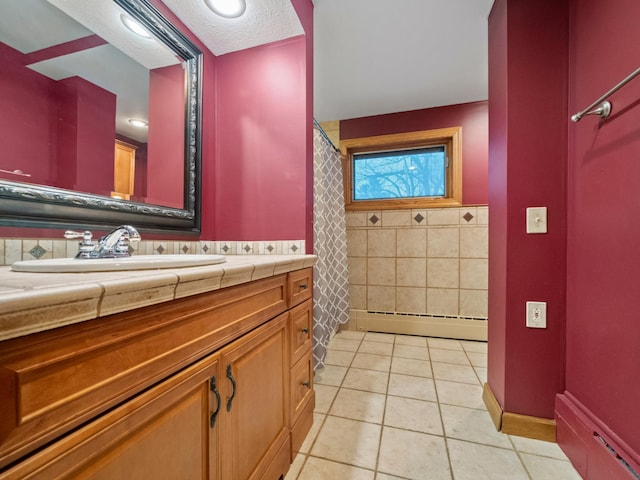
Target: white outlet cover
[
  {"x": 537, "y": 314},
  {"x": 537, "y": 220}
]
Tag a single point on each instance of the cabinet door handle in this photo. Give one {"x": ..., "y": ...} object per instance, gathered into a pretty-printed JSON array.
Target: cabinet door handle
[
  {"x": 304, "y": 330},
  {"x": 306, "y": 384},
  {"x": 302, "y": 286},
  {"x": 233, "y": 384},
  {"x": 214, "y": 389}
]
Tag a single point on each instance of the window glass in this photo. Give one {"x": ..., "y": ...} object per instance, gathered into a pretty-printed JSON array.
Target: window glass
[{"x": 400, "y": 174}]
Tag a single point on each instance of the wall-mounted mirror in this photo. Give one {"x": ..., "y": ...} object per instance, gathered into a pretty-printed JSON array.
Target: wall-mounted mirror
[{"x": 101, "y": 117}]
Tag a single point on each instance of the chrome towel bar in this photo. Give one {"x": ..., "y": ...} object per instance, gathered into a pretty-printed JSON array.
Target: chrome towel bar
[{"x": 601, "y": 107}]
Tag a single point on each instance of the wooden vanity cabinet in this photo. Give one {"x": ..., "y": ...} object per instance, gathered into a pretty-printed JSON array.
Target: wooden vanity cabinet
[{"x": 222, "y": 412}]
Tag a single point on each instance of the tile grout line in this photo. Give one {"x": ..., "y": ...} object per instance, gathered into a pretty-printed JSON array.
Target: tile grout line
[{"x": 444, "y": 432}]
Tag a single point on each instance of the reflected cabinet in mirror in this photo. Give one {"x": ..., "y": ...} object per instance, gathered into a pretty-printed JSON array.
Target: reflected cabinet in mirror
[{"x": 101, "y": 116}]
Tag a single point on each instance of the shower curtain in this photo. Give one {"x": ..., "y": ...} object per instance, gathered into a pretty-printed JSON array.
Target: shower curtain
[{"x": 330, "y": 280}]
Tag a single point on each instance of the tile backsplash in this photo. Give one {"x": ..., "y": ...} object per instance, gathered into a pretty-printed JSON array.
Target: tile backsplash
[
  {"x": 430, "y": 261},
  {"x": 13, "y": 250}
]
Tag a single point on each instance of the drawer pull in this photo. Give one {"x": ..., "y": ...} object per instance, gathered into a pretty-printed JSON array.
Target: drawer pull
[
  {"x": 214, "y": 389},
  {"x": 306, "y": 384},
  {"x": 304, "y": 330},
  {"x": 233, "y": 384},
  {"x": 302, "y": 286}
]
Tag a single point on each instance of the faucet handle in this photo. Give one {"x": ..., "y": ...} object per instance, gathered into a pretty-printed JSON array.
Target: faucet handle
[
  {"x": 86, "y": 245},
  {"x": 86, "y": 236}
]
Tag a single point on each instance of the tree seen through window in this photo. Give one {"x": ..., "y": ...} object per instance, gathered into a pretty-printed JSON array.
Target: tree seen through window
[{"x": 400, "y": 174}]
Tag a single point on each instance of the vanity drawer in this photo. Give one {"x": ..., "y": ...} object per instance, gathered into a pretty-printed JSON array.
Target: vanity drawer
[
  {"x": 301, "y": 385},
  {"x": 301, "y": 330},
  {"x": 300, "y": 286}
]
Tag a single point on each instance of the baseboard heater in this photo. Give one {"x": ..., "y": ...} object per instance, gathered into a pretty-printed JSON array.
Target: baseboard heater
[
  {"x": 617, "y": 456},
  {"x": 429, "y": 315}
]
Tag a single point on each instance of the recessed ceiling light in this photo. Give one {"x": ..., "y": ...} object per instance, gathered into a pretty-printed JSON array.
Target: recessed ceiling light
[
  {"x": 227, "y": 8},
  {"x": 136, "y": 122},
  {"x": 134, "y": 26}
]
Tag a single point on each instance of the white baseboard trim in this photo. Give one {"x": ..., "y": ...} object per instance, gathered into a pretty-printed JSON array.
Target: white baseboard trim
[{"x": 430, "y": 326}]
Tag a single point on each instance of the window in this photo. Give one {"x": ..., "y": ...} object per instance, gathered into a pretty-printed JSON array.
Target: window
[{"x": 408, "y": 170}]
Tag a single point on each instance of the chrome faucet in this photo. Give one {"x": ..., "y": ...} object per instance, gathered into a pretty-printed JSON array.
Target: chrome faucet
[{"x": 114, "y": 244}]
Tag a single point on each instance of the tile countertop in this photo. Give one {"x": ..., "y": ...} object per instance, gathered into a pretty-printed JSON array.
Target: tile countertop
[{"x": 34, "y": 302}]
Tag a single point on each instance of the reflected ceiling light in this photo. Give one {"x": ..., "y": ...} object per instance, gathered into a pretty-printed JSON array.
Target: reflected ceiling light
[
  {"x": 227, "y": 8},
  {"x": 134, "y": 26},
  {"x": 136, "y": 122}
]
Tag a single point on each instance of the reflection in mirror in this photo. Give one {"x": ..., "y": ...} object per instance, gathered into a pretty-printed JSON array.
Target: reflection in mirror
[{"x": 94, "y": 118}]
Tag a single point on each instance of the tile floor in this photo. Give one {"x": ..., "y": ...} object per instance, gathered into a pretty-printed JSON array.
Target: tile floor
[{"x": 403, "y": 407}]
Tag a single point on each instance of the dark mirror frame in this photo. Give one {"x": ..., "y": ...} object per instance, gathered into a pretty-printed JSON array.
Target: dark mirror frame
[{"x": 27, "y": 205}]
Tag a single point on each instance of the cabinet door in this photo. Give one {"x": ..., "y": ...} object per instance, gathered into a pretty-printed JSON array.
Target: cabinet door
[
  {"x": 164, "y": 433},
  {"x": 254, "y": 424}
]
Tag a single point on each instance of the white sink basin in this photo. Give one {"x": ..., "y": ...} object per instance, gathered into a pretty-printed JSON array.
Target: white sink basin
[{"x": 136, "y": 262}]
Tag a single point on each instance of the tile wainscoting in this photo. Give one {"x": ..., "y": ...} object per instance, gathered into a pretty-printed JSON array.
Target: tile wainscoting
[
  {"x": 13, "y": 250},
  {"x": 419, "y": 271}
]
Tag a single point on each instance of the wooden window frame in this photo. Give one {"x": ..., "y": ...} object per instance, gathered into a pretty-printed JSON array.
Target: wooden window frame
[{"x": 450, "y": 137}]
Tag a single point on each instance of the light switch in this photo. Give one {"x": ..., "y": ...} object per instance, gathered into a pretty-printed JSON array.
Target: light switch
[{"x": 537, "y": 220}]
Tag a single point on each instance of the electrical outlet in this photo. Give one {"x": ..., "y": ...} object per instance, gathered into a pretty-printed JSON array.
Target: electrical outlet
[
  {"x": 537, "y": 314},
  {"x": 537, "y": 220}
]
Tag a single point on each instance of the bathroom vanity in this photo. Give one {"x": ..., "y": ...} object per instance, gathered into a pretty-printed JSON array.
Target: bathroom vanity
[{"x": 212, "y": 380}]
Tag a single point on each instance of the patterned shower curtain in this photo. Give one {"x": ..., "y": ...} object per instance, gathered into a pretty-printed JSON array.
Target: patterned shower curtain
[{"x": 330, "y": 281}]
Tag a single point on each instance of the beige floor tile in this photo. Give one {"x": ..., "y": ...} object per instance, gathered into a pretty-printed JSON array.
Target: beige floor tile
[
  {"x": 377, "y": 348},
  {"x": 411, "y": 351},
  {"x": 413, "y": 455},
  {"x": 471, "y": 346},
  {"x": 370, "y": 361},
  {"x": 319, "y": 469},
  {"x": 324, "y": 397},
  {"x": 481, "y": 373},
  {"x": 544, "y": 468},
  {"x": 472, "y": 425},
  {"x": 471, "y": 461},
  {"x": 477, "y": 359},
  {"x": 318, "y": 421},
  {"x": 444, "y": 343},
  {"x": 420, "y": 388},
  {"x": 339, "y": 357},
  {"x": 538, "y": 447},
  {"x": 411, "y": 414},
  {"x": 359, "y": 405},
  {"x": 461, "y": 394},
  {"x": 379, "y": 337},
  {"x": 411, "y": 340},
  {"x": 348, "y": 441},
  {"x": 368, "y": 380},
  {"x": 330, "y": 375},
  {"x": 384, "y": 476},
  {"x": 344, "y": 344},
  {"x": 449, "y": 356},
  {"x": 454, "y": 373},
  {"x": 349, "y": 335},
  {"x": 410, "y": 366},
  {"x": 296, "y": 467}
]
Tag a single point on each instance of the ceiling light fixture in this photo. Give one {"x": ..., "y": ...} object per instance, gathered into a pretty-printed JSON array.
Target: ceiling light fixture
[
  {"x": 227, "y": 8},
  {"x": 136, "y": 122},
  {"x": 134, "y": 26}
]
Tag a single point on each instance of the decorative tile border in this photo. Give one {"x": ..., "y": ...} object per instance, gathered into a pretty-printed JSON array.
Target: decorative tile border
[{"x": 14, "y": 249}]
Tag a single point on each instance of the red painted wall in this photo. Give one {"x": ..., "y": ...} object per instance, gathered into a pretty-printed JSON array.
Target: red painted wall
[
  {"x": 29, "y": 110},
  {"x": 165, "y": 169},
  {"x": 528, "y": 109},
  {"x": 86, "y": 132},
  {"x": 261, "y": 148},
  {"x": 603, "y": 332},
  {"x": 471, "y": 116}
]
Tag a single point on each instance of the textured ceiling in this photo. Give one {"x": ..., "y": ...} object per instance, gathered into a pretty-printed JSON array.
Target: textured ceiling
[
  {"x": 381, "y": 56},
  {"x": 264, "y": 21}
]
